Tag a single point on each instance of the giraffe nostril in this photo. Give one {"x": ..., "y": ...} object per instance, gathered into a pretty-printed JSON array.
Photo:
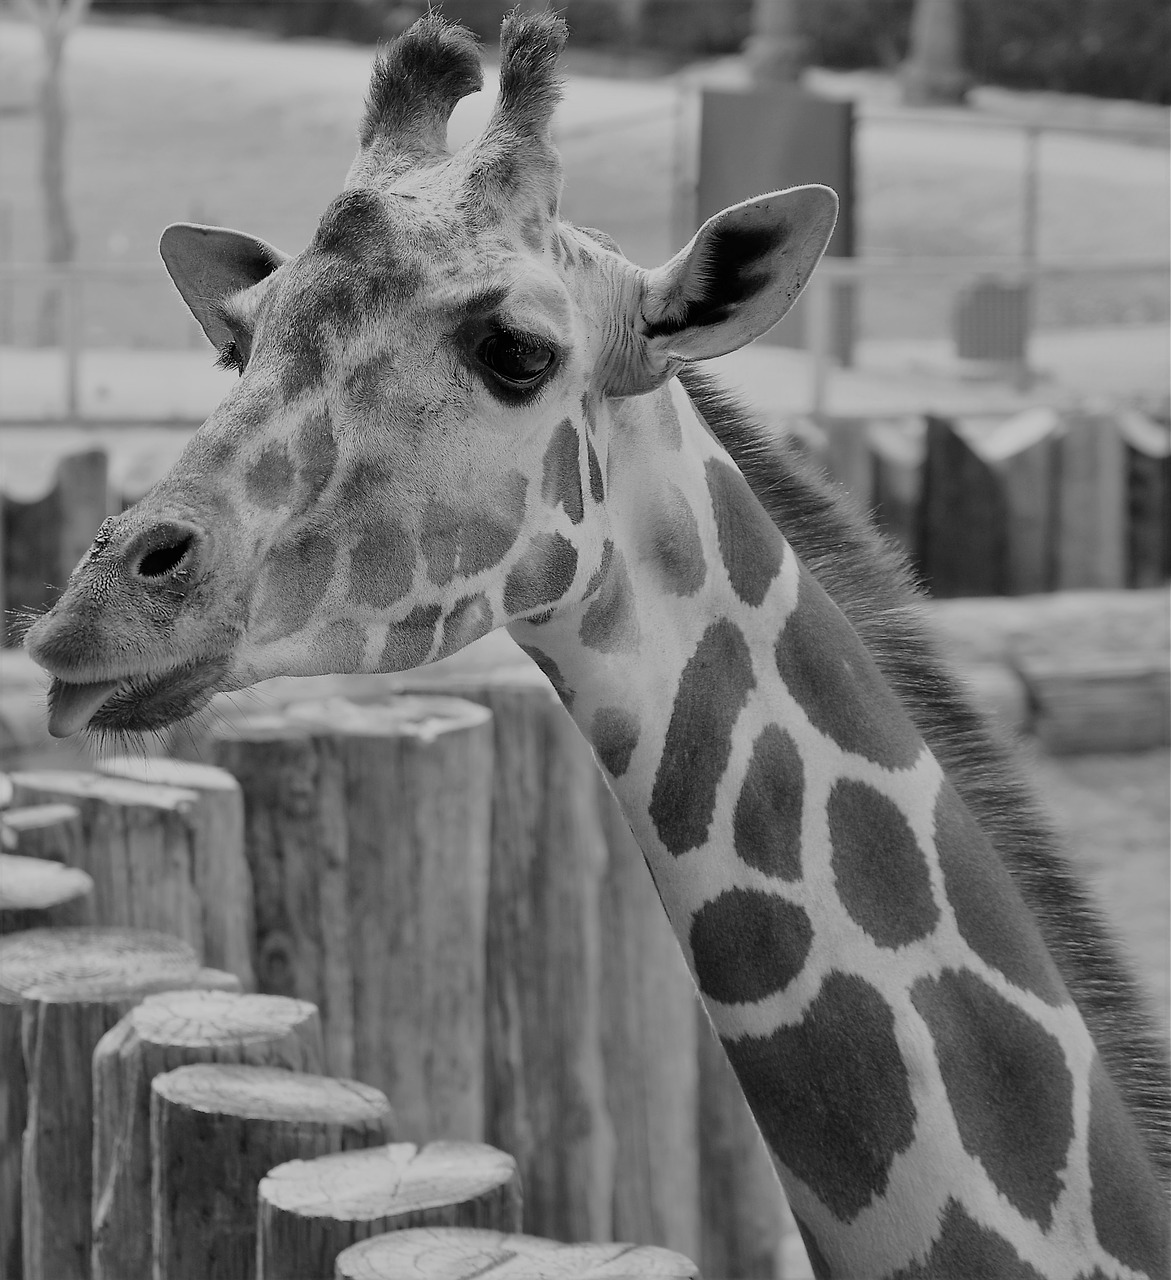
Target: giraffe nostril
[{"x": 174, "y": 548}]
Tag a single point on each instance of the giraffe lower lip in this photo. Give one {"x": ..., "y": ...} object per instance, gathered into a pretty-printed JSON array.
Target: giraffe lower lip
[{"x": 134, "y": 703}]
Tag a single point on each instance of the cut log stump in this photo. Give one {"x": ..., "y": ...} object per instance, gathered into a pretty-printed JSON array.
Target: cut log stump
[
  {"x": 162, "y": 1033},
  {"x": 138, "y": 845},
  {"x": 220, "y": 873},
  {"x": 50, "y": 831},
  {"x": 37, "y": 894},
  {"x": 367, "y": 833},
  {"x": 61, "y": 1024},
  {"x": 216, "y": 1130},
  {"x": 461, "y": 1253},
  {"x": 45, "y": 955},
  {"x": 310, "y": 1210}
]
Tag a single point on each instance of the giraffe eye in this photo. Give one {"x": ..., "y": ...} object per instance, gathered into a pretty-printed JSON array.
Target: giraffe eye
[{"x": 517, "y": 361}]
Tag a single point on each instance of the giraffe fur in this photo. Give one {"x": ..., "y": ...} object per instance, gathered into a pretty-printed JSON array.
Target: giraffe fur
[{"x": 458, "y": 412}]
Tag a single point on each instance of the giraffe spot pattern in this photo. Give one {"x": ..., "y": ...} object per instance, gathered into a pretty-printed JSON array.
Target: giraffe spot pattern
[
  {"x": 1129, "y": 1211},
  {"x": 597, "y": 492},
  {"x": 408, "y": 642},
  {"x": 983, "y": 897},
  {"x": 667, "y": 421},
  {"x": 339, "y": 646},
  {"x": 542, "y": 575},
  {"x": 382, "y": 565},
  {"x": 614, "y": 733},
  {"x": 552, "y": 672},
  {"x": 610, "y": 624},
  {"x": 713, "y": 690},
  {"x": 881, "y": 873},
  {"x": 589, "y": 410},
  {"x": 750, "y": 546},
  {"x": 269, "y": 479},
  {"x": 766, "y": 823},
  {"x": 673, "y": 544},
  {"x": 1008, "y": 1086},
  {"x": 831, "y": 1093},
  {"x": 599, "y": 574},
  {"x": 561, "y": 485},
  {"x": 966, "y": 1248},
  {"x": 315, "y": 450},
  {"x": 469, "y": 619},
  {"x": 838, "y": 685},
  {"x": 468, "y": 541},
  {"x": 296, "y": 574},
  {"x": 748, "y": 945}
]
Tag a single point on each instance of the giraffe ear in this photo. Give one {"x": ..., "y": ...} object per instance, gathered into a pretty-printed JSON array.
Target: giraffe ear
[
  {"x": 742, "y": 271},
  {"x": 208, "y": 264}
]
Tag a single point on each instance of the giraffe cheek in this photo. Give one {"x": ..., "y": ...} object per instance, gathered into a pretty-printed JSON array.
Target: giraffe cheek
[
  {"x": 339, "y": 646},
  {"x": 470, "y": 619},
  {"x": 293, "y": 583},
  {"x": 409, "y": 642}
]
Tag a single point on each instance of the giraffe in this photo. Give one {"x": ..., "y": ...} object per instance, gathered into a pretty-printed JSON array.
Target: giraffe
[{"x": 455, "y": 412}]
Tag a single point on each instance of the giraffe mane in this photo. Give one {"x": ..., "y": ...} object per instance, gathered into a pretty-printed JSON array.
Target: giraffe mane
[{"x": 868, "y": 578}]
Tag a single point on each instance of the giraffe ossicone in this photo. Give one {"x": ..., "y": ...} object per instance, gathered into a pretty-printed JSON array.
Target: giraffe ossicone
[{"x": 456, "y": 412}]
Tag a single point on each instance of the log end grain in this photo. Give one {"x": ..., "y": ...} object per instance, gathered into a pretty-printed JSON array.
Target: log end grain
[
  {"x": 455, "y": 1253},
  {"x": 35, "y": 892}
]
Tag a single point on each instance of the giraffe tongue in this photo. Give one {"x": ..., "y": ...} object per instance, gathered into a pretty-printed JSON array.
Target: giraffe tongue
[{"x": 71, "y": 705}]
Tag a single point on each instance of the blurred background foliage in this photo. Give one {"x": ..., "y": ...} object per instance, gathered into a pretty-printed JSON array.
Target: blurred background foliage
[{"x": 1107, "y": 48}]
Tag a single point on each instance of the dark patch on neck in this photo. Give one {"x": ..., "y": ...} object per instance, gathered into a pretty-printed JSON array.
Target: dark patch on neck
[
  {"x": 748, "y": 945},
  {"x": 725, "y": 275},
  {"x": 610, "y": 624},
  {"x": 833, "y": 678},
  {"x": 542, "y": 575},
  {"x": 596, "y": 490},
  {"x": 1129, "y": 1212},
  {"x": 409, "y": 642},
  {"x": 614, "y": 733},
  {"x": 964, "y": 1247},
  {"x": 989, "y": 912},
  {"x": 469, "y": 619},
  {"x": 750, "y": 546},
  {"x": 294, "y": 579},
  {"x": 600, "y": 573},
  {"x": 674, "y": 546},
  {"x": 713, "y": 690},
  {"x": 382, "y": 564},
  {"x": 766, "y": 824},
  {"x": 1007, "y": 1084},
  {"x": 831, "y": 1093},
  {"x": 552, "y": 672},
  {"x": 879, "y": 870},
  {"x": 561, "y": 485}
]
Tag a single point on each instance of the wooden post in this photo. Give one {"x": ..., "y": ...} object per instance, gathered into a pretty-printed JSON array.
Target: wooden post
[
  {"x": 44, "y": 539},
  {"x": 220, "y": 873},
  {"x": 216, "y": 1130},
  {"x": 61, "y": 1024},
  {"x": 40, "y": 955},
  {"x": 164, "y": 1032},
  {"x": 367, "y": 833},
  {"x": 1091, "y": 546},
  {"x": 847, "y": 457},
  {"x": 743, "y": 1205},
  {"x": 459, "y": 1253},
  {"x": 310, "y": 1210},
  {"x": 46, "y": 831},
  {"x": 1148, "y": 498},
  {"x": 963, "y": 518},
  {"x": 139, "y": 847},
  {"x": 35, "y": 894},
  {"x": 545, "y": 1086}
]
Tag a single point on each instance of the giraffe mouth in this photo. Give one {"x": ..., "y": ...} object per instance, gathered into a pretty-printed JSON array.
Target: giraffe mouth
[{"x": 134, "y": 703}]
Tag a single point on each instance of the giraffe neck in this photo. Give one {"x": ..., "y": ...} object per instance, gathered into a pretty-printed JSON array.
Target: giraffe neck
[{"x": 927, "y": 1088}]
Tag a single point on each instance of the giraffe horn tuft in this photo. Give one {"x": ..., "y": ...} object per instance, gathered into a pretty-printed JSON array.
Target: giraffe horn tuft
[
  {"x": 530, "y": 87},
  {"x": 414, "y": 86}
]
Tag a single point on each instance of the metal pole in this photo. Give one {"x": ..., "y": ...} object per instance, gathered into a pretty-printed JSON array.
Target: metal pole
[
  {"x": 1030, "y": 235},
  {"x": 71, "y": 288}
]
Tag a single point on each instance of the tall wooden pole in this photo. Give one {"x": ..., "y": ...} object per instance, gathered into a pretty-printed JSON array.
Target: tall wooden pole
[{"x": 934, "y": 70}]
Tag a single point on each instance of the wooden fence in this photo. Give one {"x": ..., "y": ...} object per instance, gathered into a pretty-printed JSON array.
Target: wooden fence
[
  {"x": 396, "y": 960},
  {"x": 1044, "y": 501}
]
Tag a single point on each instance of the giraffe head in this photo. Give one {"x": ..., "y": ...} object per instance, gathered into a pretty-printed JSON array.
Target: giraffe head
[{"x": 415, "y": 451}]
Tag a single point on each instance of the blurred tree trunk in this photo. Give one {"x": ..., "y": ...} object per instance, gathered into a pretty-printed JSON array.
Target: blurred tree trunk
[
  {"x": 934, "y": 70},
  {"x": 775, "y": 51},
  {"x": 55, "y": 20}
]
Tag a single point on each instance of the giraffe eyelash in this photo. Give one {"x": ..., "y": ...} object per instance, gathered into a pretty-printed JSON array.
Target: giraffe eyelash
[{"x": 230, "y": 357}]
